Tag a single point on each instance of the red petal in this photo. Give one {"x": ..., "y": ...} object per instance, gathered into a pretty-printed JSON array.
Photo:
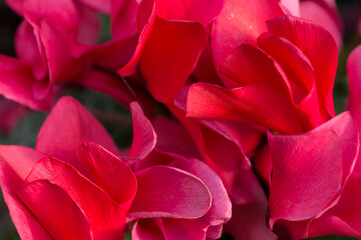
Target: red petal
[
  {"x": 67, "y": 124},
  {"x": 243, "y": 67},
  {"x": 17, "y": 81},
  {"x": 325, "y": 16},
  {"x": 169, "y": 192},
  {"x": 26, "y": 224},
  {"x": 319, "y": 47},
  {"x": 312, "y": 165},
  {"x": 109, "y": 172},
  {"x": 354, "y": 75},
  {"x": 236, "y": 25},
  {"x": 182, "y": 42},
  {"x": 144, "y": 136},
  {"x": 20, "y": 159},
  {"x": 259, "y": 104},
  {"x": 55, "y": 210},
  {"x": 106, "y": 217}
]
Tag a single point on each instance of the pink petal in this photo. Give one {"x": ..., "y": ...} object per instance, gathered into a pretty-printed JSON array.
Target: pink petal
[
  {"x": 55, "y": 210},
  {"x": 26, "y": 224},
  {"x": 147, "y": 229},
  {"x": 325, "y": 16},
  {"x": 242, "y": 67},
  {"x": 248, "y": 219},
  {"x": 182, "y": 42},
  {"x": 169, "y": 192},
  {"x": 344, "y": 217},
  {"x": 160, "y": 41},
  {"x": 259, "y": 104},
  {"x": 105, "y": 216},
  {"x": 144, "y": 136},
  {"x": 312, "y": 165},
  {"x": 292, "y": 7},
  {"x": 320, "y": 49},
  {"x": 179, "y": 142},
  {"x": 184, "y": 229},
  {"x": 20, "y": 159},
  {"x": 108, "y": 84},
  {"x": 102, "y": 6},
  {"x": 109, "y": 173},
  {"x": 345, "y": 128},
  {"x": 67, "y": 124},
  {"x": 220, "y": 211},
  {"x": 354, "y": 75},
  {"x": 20, "y": 90},
  {"x": 124, "y": 21},
  {"x": 236, "y": 25}
]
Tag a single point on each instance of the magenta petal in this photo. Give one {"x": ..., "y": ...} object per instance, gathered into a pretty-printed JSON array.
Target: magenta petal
[
  {"x": 236, "y": 25},
  {"x": 109, "y": 172},
  {"x": 354, "y": 75},
  {"x": 259, "y": 104},
  {"x": 220, "y": 211},
  {"x": 147, "y": 229},
  {"x": 345, "y": 128},
  {"x": 144, "y": 136},
  {"x": 16, "y": 83},
  {"x": 320, "y": 14},
  {"x": 55, "y": 210},
  {"x": 318, "y": 46},
  {"x": 242, "y": 67},
  {"x": 20, "y": 159},
  {"x": 182, "y": 42},
  {"x": 26, "y": 224},
  {"x": 105, "y": 216},
  {"x": 67, "y": 124},
  {"x": 312, "y": 165},
  {"x": 169, "y": 192}
]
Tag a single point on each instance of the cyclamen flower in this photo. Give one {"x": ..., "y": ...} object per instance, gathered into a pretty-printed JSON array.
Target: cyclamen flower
[
  {"x": 320, "y": 194},
  {"x": 75, "y": 167}
]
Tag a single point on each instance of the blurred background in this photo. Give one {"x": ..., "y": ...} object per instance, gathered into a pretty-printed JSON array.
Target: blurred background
[{"x": 19, "y": 125}]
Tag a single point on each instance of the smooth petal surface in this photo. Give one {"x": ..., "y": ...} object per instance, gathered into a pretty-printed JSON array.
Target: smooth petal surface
[
  {"x": 259, "y": 104},
  {"x": 144, "y": 136},
  {"x": 20, "y": 159},
  {"x": 55, "y": 210},
  {"x": 106, "y": 218},
  {"x": 236, "y": 25},
  {"x": 220, "y": 211},
  {"x": 26, "y": 224},
  {"x": 170, "y": 55},
  {"x": 67, "y": 124},
  {"x": 354, "y": 76},
  {"x": 320, "y": 13},
  {"x": 109, "y": 173},
  {"x": 312, "y": 165},
  {"x": 243, "y": 67},
  {"x": 16, "y": 83},
  {"x": 319, "y": 47},
  {"x": 169, "y": 192}
]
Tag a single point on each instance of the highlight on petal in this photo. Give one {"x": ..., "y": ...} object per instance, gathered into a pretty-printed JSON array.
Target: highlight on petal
[
  {"x": 170, "y": 55},
  {"x": 109, "y": 173},
  {"x": 169, "y": 192},
  {"x": 312, "y": 165},
  {"x": 259, "y": 104},
  {"x": 106, "y": 218},
  {"x": 55, "y": 210},
  {"x": 67, "y": 124},
  {"x": 16, "y": 83},
  {"x": 144, "y": 136},
  {"x": 319, "y": 47},
  {"x": 236, "y": 25}
]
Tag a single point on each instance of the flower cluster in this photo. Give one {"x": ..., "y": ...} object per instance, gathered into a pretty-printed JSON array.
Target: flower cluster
[{"x": 248, "y": 144}]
